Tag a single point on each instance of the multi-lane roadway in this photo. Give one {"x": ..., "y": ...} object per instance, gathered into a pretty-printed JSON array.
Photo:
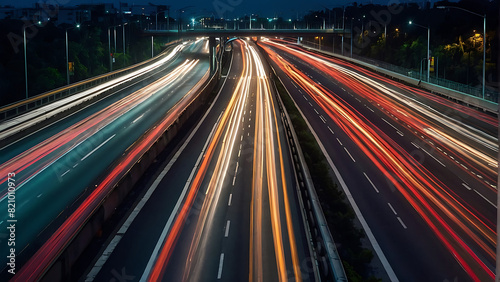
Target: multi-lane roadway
[
  {"x": 421, "y": 169},
  {"x": 225, "y": 207},
  {"x": 62, "y": 170}
]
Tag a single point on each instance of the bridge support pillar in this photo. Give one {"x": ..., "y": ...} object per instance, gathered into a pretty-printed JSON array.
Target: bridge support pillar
[{"x": 212, "y": 49}]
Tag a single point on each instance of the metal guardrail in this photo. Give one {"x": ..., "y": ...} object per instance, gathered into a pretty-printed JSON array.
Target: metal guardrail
[
  {"x": 37, "y": 101},
  {"x": 490, "y": 95}
]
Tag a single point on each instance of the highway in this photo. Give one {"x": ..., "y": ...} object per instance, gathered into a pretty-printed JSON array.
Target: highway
[
  {"x": 224, "y": 207},
  {"x": 62, "y": 170},
  {"x": 421, "y": 169}
]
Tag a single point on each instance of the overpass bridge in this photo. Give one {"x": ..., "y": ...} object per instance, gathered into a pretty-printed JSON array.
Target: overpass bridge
[{"x": 248, "y": 32}]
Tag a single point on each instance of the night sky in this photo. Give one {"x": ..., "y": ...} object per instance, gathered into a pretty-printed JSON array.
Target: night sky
[{"x": 233, "y": 8}]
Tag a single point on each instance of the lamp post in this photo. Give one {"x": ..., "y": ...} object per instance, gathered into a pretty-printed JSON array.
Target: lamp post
[
  {"x": 124, "y": 38},
  {"x": 67, "y": 53},
  {"x": 25, "y": 59},
  {"x": 484, "y": 39},
  {"x": 109, "y": 50},
  {"x": 428, "y": 49},
  {"x": 123, "y": 29}
]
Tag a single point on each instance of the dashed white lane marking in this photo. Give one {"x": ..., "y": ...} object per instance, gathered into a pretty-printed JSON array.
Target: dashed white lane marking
[
  {"x": 373, "y": 185},
  {"x": 433, "y": 157},
  {"x": 339, "y": 141},
  {"x": 482, "y": 196},
  {"x": 221, "y": 264},
  {"x": 310, "y": 104},
  {"x": 230, "y": 199},
  {"x": 349, "y": 154},
  {"x": 390, "y": 124},
  {"x": 322, "y": 118},
  {"x": 466, "y": 186},
  {"x": 402, "y": 223},
  {"x": 66, "y": 172},
  {"x": 135, "y": 120},
  {"x": 316, "y": 111},
  {"x": 305, "y": 97},
  {"x": 393, "y": 210},
  {"x": 228, "y": 224},
  {"x": 370, "y": 109},
  {"x": 330, "y": 130},
  {"x": 97, "y": 148}
]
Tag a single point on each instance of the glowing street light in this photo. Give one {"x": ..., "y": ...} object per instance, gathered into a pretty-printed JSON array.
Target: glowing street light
[
  {"x": 67, "y": 53},
  {"x": 25, "y": 60},
  {"x": 428, "y": 50}
]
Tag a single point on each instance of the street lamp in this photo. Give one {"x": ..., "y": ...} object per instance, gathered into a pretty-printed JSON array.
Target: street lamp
[
  {"x": 484, "y": 39},
  {"x": 25, "y": 60},
  {"x": 192, "y": 21},
  {"x": 67, "y": 53},
  {"x": 428, "y": 50},
  {"x": 123, "y": 29}
]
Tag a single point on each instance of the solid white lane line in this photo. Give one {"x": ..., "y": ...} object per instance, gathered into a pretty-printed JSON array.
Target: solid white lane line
[
  {"x": 228, "y": 223},
  {"x": 221, "y": 264},
  {"x": 402, "y": 223},
  {"x": 482, "y": 196},
  {"x": 349, "y": 154},
  {"x": 373, "y": 185},
  {"x": 230, "y": 199},
  {"x": 393, "y": 210},
  {"x": 97, "y": 148}
]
